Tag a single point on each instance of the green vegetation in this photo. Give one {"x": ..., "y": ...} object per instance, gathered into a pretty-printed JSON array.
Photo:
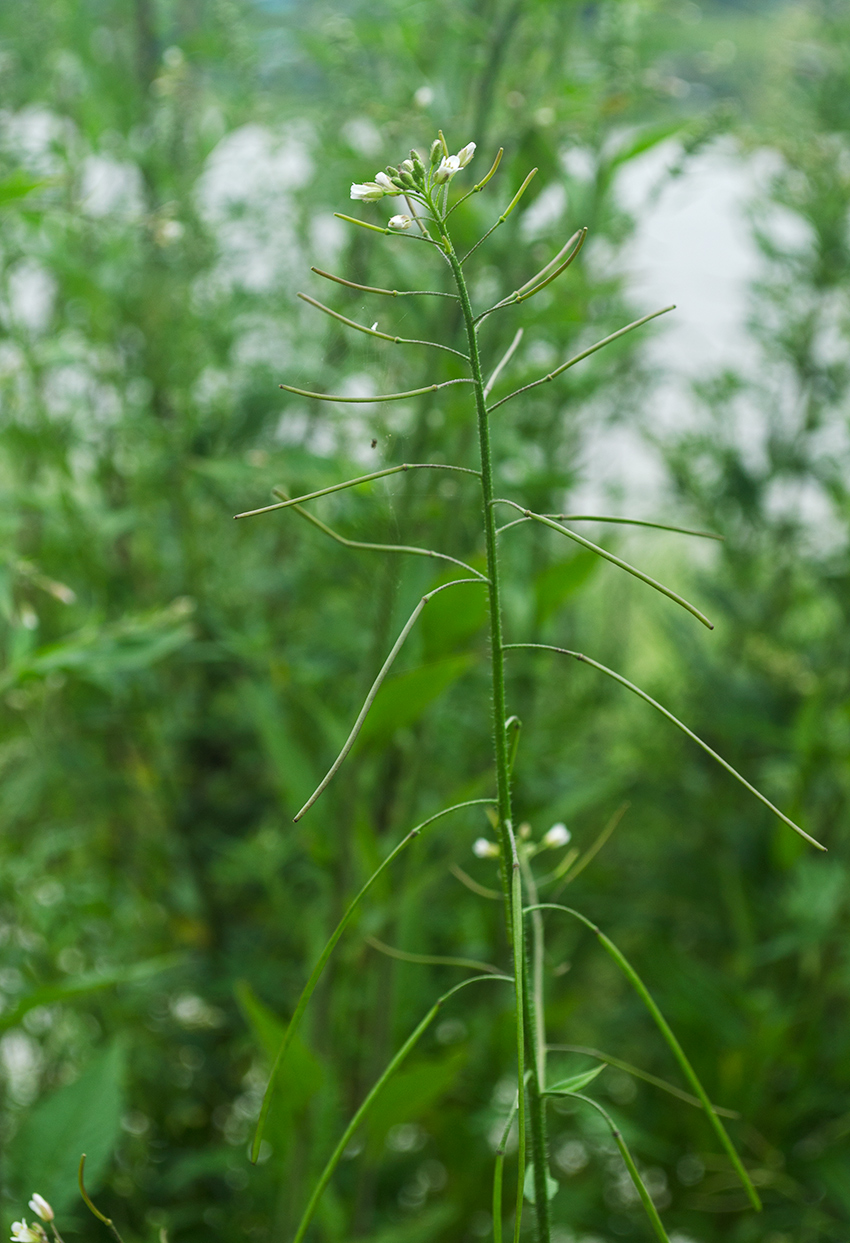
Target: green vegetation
[{"x": 176, "y": 684}]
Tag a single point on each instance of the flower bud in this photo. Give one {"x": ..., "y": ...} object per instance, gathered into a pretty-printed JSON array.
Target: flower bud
[
  {"x": 400, "y": 222},
  {"x": 465, "y": 154},
  {"x": 436, "y": 152},
  {"x": 392, "y": 172},
  {"x": 558, "y": 835},
  {"x": 367, "y": 191},
  {"x": 407, "y": 166},
  {"x": 484, "y": 849},
  {"x": 386, "y": 184},
  {"x": 40, "y": 1207}
]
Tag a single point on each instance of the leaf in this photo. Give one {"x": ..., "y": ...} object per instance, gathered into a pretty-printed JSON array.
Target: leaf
[
  {"x": 558, "y": 582},
  {"x": 528, "y": 1190},
  {"x": 403, "y": 699},
  {"x": 409, "y": 1094},
  {"x": 451, "y": 620},
  {"x": 84, "y": 986},
  {"x": 84, "y": 1117},
  {"x": 301, "y": 1075},
  {"x": 576, "y": 1082},
  {"x": 18, "y": 186}
]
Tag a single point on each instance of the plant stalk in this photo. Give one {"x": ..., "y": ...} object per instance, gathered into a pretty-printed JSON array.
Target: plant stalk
[{"x": 537, "y": 1117}]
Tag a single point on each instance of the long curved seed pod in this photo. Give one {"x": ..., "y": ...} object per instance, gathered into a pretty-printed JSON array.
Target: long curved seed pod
[
  {"x": 413, "y": 392},
  {"x": 107, "y": 1221},
  {"x": 409, "y": 1044},
  {"x": 640, "y": 1186},
  {"x": 367, "y": 547},
  {"x": 376, "y": 686},
  {"x": 503, "y": 362},
  {"x": 431, "y": 960},
  {"x": 618, "y": 677},
  {"x": 672, "y": 1043},
  {"x": 352, "y": 483},
  {"x": 516, "y": 198},
  {"x": 621, "y": 332},
  {"x": 315, "y": 974},
  {"x": 387, "y": 293},
  {"x": 372, "y": 332},
  {"x": 610, "y": 556},
  {"x": 628, "y": 522},
  {"x": 637, "y": 1073},
  {"x": 531, "y": 288}
]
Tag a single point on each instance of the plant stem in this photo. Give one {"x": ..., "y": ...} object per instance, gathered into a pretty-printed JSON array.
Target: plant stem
[{"x": 537, "y": 1115}]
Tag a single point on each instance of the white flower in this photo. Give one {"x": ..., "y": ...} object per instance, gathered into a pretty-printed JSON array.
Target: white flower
[
  {"x": 558, "y": 835},
  {"x": 383, "y": 180},
  {"x": 451, "y": 164},
  {"x": 407, "y": 165},
  {"x": 40, "y": 1207},
  {"x": 22, "y": 1233},
  {"x": 367, "y": 191},
  {"x": 400, "y": 222},
  {"x": 483, "y": 849},
  {"x": 448, "y": 166}
]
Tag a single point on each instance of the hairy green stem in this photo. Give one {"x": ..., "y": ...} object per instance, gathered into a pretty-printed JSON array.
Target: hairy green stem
[{"x": 509, "y": 875}]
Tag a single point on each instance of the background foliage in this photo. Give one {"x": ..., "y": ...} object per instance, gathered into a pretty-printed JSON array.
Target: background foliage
[{"x": 174, "y": 683}]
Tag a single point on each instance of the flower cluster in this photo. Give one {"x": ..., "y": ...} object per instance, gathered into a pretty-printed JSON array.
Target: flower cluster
[
  {"x": 559, "y": 835},
  {"x": 411, "y": 178},
  {"x": 22, "y": 1233}
]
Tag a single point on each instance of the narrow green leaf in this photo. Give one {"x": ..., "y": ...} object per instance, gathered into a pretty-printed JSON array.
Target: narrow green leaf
[{"x": 576, "y": 1082}]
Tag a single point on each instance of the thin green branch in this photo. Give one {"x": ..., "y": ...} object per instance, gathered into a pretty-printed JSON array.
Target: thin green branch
[
  {"x": 316, "y": 973},
  {"x": 503, "y": 362},
  {"x": 431, "y": 960},
  {"x": 618, "y": 677},
  {"x": 637, "y": 1073},
  {"x": 584, "y": 354},
  {"x": 387, "y": 293},
  {"x": 372, "y": 332},
  {"x": 406, "y": 1048},
  {"x": 640, "y": 1187},
  {"x": 672, "y": 1043},
  {"x": 628, "y": 522},
  {"x": 351, "y": 483},
  {"x": 516, "y": 198},
  {"x": 615, "y": 560},
  {"x": 376, "y": 686},
  {"x": 368, "y": 547},
  {"x": 413, "y": 392}
]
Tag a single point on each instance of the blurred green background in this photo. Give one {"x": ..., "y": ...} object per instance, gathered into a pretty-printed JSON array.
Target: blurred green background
[{"x": 174, "y": 684}]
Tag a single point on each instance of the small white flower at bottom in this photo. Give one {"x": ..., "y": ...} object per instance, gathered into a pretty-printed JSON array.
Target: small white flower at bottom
[
  {"x": 22, "y": 1233},
  {"x": 558, "y": 835},
  {"x": 484, "y": 849},
  {"x": 400, "y": 222},
  {"x": 40, "y": 1207}
]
